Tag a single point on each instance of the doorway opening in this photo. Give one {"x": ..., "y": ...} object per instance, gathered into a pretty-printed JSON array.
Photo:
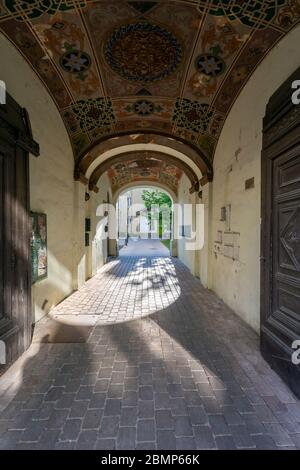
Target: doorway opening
[{"x": 145, "y": 222}]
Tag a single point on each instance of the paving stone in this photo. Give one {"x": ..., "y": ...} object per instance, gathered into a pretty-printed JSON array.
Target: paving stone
[
  {"x": 197, "y": 415},
  {"x": 105, "y": 444},
  {"x": 65, "y": 401},
  {"x": 164, "y": 419},
  {"x": 97, "y": 401},
  {"x": 183, "y": 426},
  {"x": 115, "y": 391},
  {"x": 126, "y": 438},
  {"x": 146, "y": 392},
  {"x": 71, "y": 430},
  {"x": 87, "y": 440},
  {"x": 264, "y": 442},
  {"x": 102, "y": 385},
  {"x": 146, "y": 446},
  {"x": 180, "y": 377},
  {"x": 131, "y": 371},
  {"x": 185, "y": 443},
  {"x": 232, "y": 416},
  {"x": 146, "y": 430},
  {"x": 145, "y": 409},
  {"x": 85, "y": 392},
  {"x": 204, "y": 438},
  {"x": 211, "y": 405},
  {"x": 241, "y": 436},
  {"x": 161, "y": 400},
  {"x": 178, "y": 406},
  {"x": 129, "y": 416},
  {"x": 92, "y": 419},
  {"x": 225, "y": 443},
  {"x": 117, "y": 377},
  {"x": 112, "y": 407},
  {"x": 109, "y": 426},
  {"x": 78, "y": 409},
  {"x": 166, "y": 440},
  {"x": 54, "y": 394},
  {"x": 130, "y": 398},
  {"x": 218, "y": 425},
  {"x": 33, "y": 433},
  {"x": 278, "y": 434},
  {"x": 57, "y": 419}
]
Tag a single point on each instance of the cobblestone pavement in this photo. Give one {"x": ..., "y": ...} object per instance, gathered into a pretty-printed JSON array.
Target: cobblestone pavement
[{"x": 188, "y": 376}]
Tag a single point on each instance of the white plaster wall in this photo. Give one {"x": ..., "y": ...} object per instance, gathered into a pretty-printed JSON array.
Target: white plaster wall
[
  {"x": 237, "y": 158},
  {"x": 186, "y": 255},
  {"x": 51, "y": 176},
  {"x": 98, "y": 250}
]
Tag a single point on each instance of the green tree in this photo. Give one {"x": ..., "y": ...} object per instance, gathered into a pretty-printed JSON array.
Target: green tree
[{"x": 160, "y": 200}]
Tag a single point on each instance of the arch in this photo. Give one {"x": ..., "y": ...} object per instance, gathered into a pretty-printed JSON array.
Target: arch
[
  {"x": 139, "y": 184},
  {"x": 126, "y": 157},
  {"x": 124, "y": 142}
]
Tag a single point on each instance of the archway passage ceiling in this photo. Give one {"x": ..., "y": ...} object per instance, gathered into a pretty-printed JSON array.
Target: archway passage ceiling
[
  {"x": 144, "y": 166},
  {"x": 170, "y": 66}
]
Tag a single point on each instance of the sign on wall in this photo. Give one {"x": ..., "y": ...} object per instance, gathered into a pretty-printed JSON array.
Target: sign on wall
[{"x": 38, "y": 246}]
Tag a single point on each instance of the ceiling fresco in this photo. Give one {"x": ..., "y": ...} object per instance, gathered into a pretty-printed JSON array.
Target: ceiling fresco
[
  {"x": 144, "y": 165},
  {"x": 172, "y": 66},
  {"x": 147, "y": 166}
]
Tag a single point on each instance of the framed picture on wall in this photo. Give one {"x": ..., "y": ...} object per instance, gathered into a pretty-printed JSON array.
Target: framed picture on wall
[{"x": 39, "y": 262}]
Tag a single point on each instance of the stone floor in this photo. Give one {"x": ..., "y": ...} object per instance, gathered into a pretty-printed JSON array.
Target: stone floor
[
  {"x": 187, "y": 376},
  {"x": 144, "y": 247}
]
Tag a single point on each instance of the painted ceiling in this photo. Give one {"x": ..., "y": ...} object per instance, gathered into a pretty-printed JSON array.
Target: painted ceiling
[
  {"x": 172, "y": 66},
  {"x": 147, "y": 166}
]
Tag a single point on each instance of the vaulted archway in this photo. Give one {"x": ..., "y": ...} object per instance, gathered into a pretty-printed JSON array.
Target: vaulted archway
[{"x": 172, "y": 94}]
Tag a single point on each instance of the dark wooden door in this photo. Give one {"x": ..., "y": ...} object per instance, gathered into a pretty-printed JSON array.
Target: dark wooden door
[
  {"x": 280, "y": 273},
  {"x": 15, "y": 257}
]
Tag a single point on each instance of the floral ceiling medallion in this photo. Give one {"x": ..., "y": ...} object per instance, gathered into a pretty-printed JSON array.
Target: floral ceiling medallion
[
  {"x": 75, "y": 61},
  {"x": 143, "y": 52}
]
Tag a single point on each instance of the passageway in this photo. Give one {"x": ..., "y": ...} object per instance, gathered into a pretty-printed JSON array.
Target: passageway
[
  {"x": 185, "y": 373},
  {"x": 140, "y": 247}
]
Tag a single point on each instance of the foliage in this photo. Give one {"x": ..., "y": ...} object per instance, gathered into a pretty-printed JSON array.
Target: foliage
[{"x": 162, "y": 201}]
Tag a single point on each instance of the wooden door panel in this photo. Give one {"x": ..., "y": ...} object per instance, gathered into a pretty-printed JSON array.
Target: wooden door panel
[
  {"x": 15, "y": 259},
  {"x": 2, "y": 172},
  {"x": 289, "y": 174},
  {"x": 280, "y": 273}
]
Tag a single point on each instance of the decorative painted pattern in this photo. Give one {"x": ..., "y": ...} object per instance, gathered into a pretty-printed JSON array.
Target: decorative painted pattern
[
  {"x": 210, "y": 65},
  {"x": 144, "y": 166},
  {"x": 254, "y": 13},
  {"x": 143, "y": 52},
  {"x": 93, "y": 113},
  {"x": 36, "y": 8},
  {"x": 129, "y": 66},
  {"x": 75, "y": 61},
  {"x": 192, "y": 115},
  {"x": 143, "y": 108}
]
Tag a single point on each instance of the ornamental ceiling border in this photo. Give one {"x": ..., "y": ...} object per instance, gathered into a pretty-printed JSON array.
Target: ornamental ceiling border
[{"x": 211, "y": 48}]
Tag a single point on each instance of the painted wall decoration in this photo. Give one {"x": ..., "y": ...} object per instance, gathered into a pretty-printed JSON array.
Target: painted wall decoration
[
  {"x": 165, "y": 65},
  {"x": 143, "y": 52},
  {"x": 39, "y": 262},
  {"x": 144, "y": 166}
]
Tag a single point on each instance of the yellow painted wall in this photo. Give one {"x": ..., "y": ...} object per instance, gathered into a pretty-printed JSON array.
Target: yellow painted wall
[
  {"x": 237, "y": 158},
  {"x": 52, "y": 187}
]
